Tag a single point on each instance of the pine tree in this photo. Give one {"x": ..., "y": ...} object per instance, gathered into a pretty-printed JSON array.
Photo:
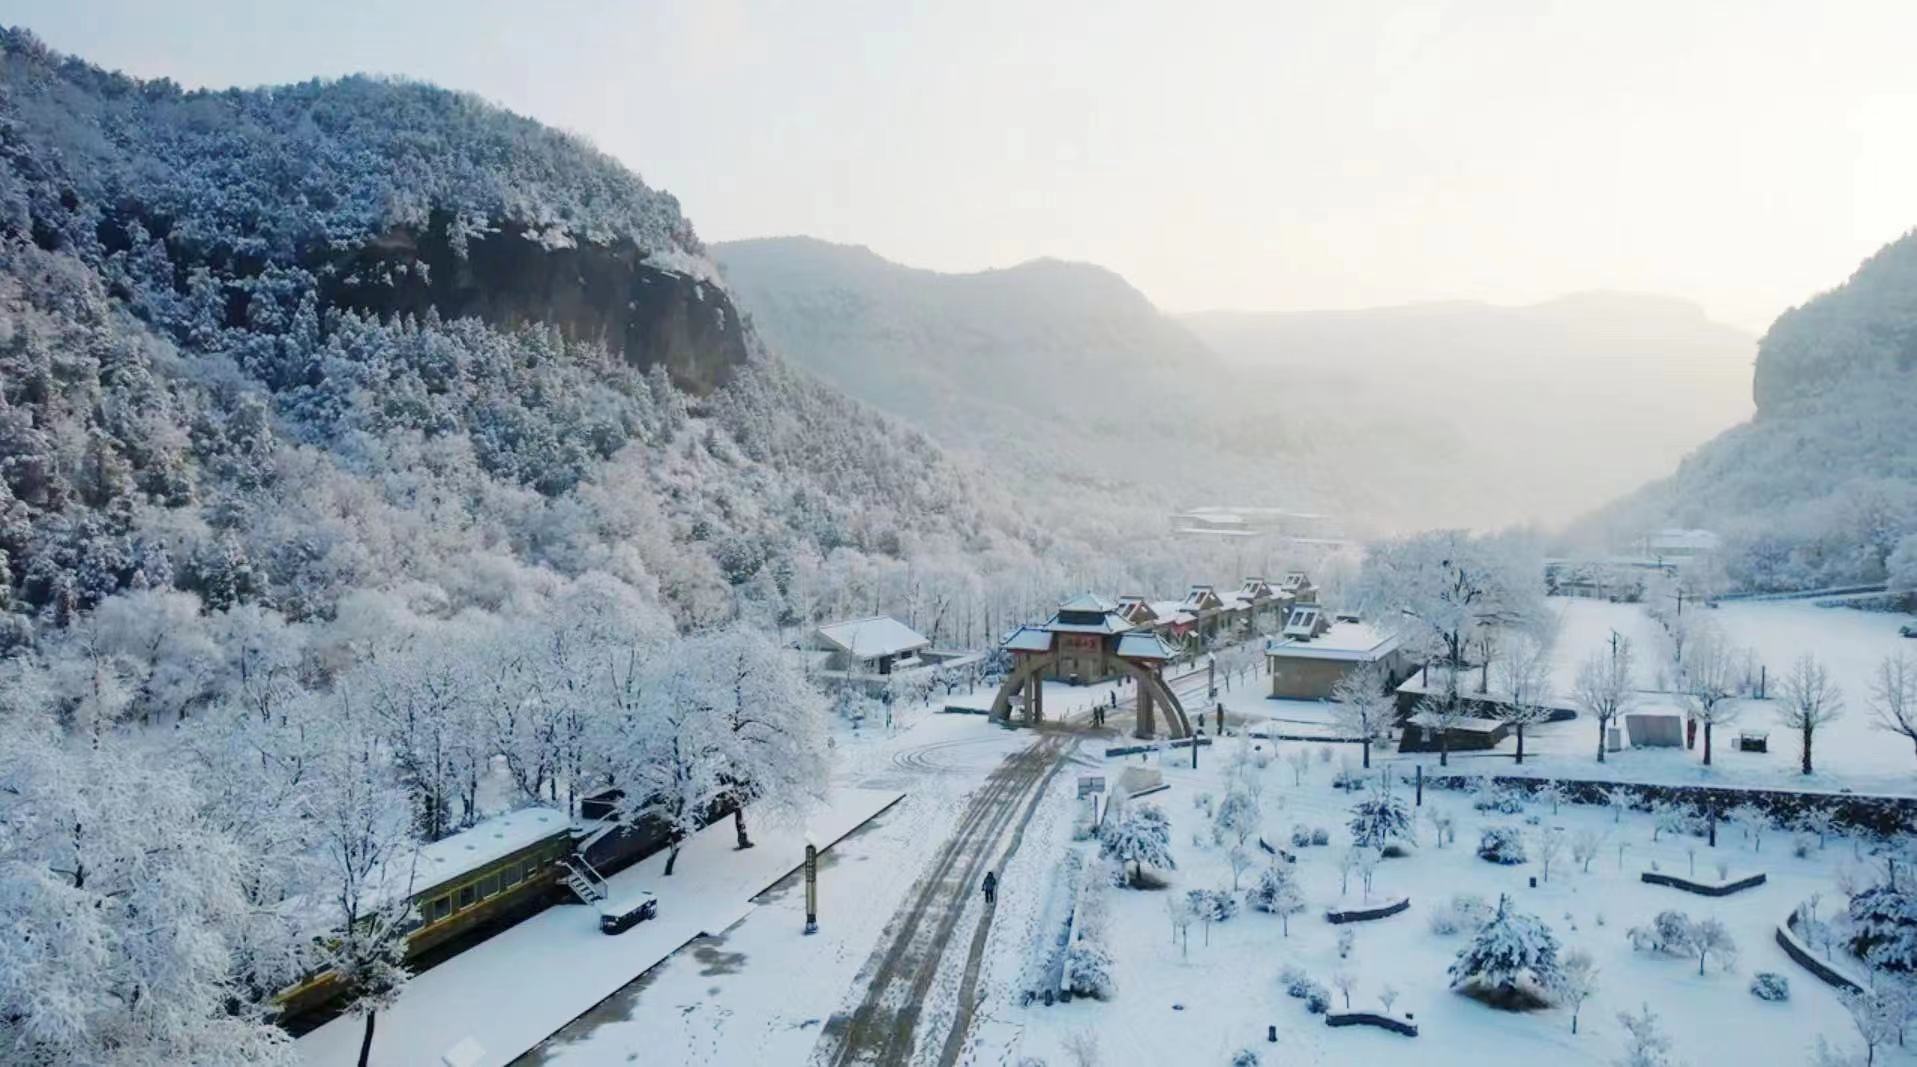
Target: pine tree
[{"x": 1509, "y": 948}]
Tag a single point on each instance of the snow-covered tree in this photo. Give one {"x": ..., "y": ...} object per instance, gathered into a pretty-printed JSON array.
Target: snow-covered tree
[
  {"x": 1141, "y": 838},
  {"x": 1893, "y": 695},
  {"x": 1551, "y": 845},
  {"x": 367, "y": 871},
  {"x": 1239, "y": 816},
  {"x": 1808, "y": 701},
  {"x": 1604, "y": 688},
  {"x": 1711, "y": 669},
  {"x": 1363, "y": 706},
  {"x": 1510, "y": 948},
  {"x": 1381, "y": 818},
  {"x": 1277, "y": 892},
  {"x": 1711, "y": 939},
  {"x": 128, "y": 930},
  {"x": 1646, "y": 1044},
  {"x": 1577, "y": 981},
  {"x": 1523, "y": 672}
]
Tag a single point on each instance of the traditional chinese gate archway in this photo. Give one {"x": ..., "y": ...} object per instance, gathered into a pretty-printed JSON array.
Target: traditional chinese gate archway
[{"x": 1152, "y": 693}]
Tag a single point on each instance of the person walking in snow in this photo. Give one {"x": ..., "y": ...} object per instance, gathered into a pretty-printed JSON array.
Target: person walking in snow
[{"x": 991, "y": 888}]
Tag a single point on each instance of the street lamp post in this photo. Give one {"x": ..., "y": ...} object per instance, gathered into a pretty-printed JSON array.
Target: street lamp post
[{"x": 811, "y": 885}]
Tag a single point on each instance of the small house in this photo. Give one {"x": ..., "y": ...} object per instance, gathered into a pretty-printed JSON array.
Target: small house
[{"x": 1316, "y": 650}]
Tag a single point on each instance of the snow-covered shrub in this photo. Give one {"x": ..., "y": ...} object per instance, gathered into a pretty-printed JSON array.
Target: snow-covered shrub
[
  {"x": 1497, "y": 798},
  {"x": 1212, "y": 905},
  {"x": 1463, "y": 912},
  {"x": 1319, "y": 836},
  {"x": 1140, "y": 839},
  {"x": 1088, "y": 971},
  {"x": 1378, "y": 819},
  {"x": 1769, "y": 985},
  {"x": 1670, "y": 932},
  {"x": 1294, "y": 979},
  {"x": 1318, "y": 1000},
  {"x": 1277, "y": 893},
  {"x": 1245, "y": 1057},
  {"x": 1509, "y": 949},
  {"x": 1884, "y": 926},
  {"x": 1301, "y": 836},
  {"x": 1202, "y": 802},
  {"x": 1502, "y": 844}
]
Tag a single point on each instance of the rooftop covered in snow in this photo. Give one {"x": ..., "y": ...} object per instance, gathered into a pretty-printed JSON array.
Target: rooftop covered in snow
[{"x": 880, "y": 635}]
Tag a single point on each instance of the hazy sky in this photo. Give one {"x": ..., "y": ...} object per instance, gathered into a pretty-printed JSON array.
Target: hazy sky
[{"x": 1260, "y": 155}]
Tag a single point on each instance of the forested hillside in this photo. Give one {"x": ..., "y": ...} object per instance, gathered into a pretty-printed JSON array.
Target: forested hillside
[
  {"x": 371, "y": 460},
  {"x": 274, "y": 346},
  {"x": 1820, "y": 487}
]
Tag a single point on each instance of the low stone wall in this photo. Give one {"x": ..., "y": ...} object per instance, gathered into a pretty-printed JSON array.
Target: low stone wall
[
  {"x": 1359, "y": 915},
  {"x": 1366, "y": 1018},
  {"x": 1708, "y": 889},
  {"x": 1797, "y": 950}
]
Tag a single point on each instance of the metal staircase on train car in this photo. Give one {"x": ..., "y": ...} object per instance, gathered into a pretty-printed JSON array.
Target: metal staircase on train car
[{"x": 585, "y": 882}]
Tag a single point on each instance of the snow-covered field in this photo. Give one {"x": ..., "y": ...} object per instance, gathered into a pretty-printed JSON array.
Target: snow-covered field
[{"x": 1174, "y": 1006}]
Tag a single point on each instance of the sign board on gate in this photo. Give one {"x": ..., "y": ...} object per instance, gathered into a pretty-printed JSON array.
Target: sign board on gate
[{"x": 1090, "y": 783}]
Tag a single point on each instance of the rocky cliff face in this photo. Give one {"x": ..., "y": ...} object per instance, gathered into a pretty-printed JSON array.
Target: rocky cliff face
[{"x": 602, "y": 293}]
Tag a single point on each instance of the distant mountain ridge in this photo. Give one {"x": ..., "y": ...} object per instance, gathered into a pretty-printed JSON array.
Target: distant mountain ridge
[
  {"x": 1056, "y": 370},
  {"x": 1820, "y": 485}
]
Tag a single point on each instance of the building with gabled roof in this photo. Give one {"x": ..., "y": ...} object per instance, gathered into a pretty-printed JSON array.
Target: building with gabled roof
[{"x": 1315, "y": 652}]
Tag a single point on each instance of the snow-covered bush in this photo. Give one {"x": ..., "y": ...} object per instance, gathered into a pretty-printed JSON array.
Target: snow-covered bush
[
  {"x": 1320, "y": 836},
  {"x": 1884, "y": 926},
  {"x": 1294, "y": 979},
  {"x": 1670, "y": 932},
  {"x": 1277, "y": 893},
  {"x": 1510, "y": 949},
  {"x": 1245, "y": 1057},
  {"x": 1380, "y": 819},
  {"x": 1088, "y": 971},
  {"x": 1493, "y": 797},
  {"x": 1212, "y": 905},
  {"x": 1463, "y": 912},
  {"x": 1141, "y": 838},
  {"x": 1502, "y": 844},
  {"x": 1769, "y": 985}
]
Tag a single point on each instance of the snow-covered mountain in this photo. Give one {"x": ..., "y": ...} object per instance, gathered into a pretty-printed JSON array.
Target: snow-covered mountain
[
  {"x": 1480, "y": 415},
  {"x": 1391, "y": 417},
  {"x": 1060, "y": 375},
  {"x": 277, "y": 346},
  {"x": 1820, "y": 486}
]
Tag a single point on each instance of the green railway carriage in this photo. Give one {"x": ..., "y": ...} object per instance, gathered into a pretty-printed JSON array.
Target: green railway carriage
[{"x": 498, "y": 871}]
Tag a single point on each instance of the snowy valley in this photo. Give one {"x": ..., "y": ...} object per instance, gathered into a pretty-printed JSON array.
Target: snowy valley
[{"x": 452, "y": 615}]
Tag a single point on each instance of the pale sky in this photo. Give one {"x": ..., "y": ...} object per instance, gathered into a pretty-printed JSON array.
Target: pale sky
[{"x": 1743, "y": 154}]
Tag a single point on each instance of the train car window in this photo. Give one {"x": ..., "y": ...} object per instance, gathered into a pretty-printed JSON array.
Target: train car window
[
  {"x": 532, "y": 867},
  {"x": 512, "y": 876},
  {"x": 466, "y": 896},
  {"x": 442, "y": 908},
  {"x": 489, "y": 886}
]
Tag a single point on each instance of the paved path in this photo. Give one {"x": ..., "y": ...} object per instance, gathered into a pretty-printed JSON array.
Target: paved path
[{"x": 883, "y": 1028}]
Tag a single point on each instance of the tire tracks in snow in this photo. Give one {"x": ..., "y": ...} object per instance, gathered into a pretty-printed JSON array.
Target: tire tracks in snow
[{"x": 883, "y": 1028}]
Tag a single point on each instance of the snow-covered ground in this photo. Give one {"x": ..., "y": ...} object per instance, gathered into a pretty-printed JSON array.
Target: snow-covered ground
[
  {"x": 1198, "y": 1007},
  {"x": 511, "y": 991},
  {"x": 1851, "y": 753},
  {"x": 759, "y": 992}
]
